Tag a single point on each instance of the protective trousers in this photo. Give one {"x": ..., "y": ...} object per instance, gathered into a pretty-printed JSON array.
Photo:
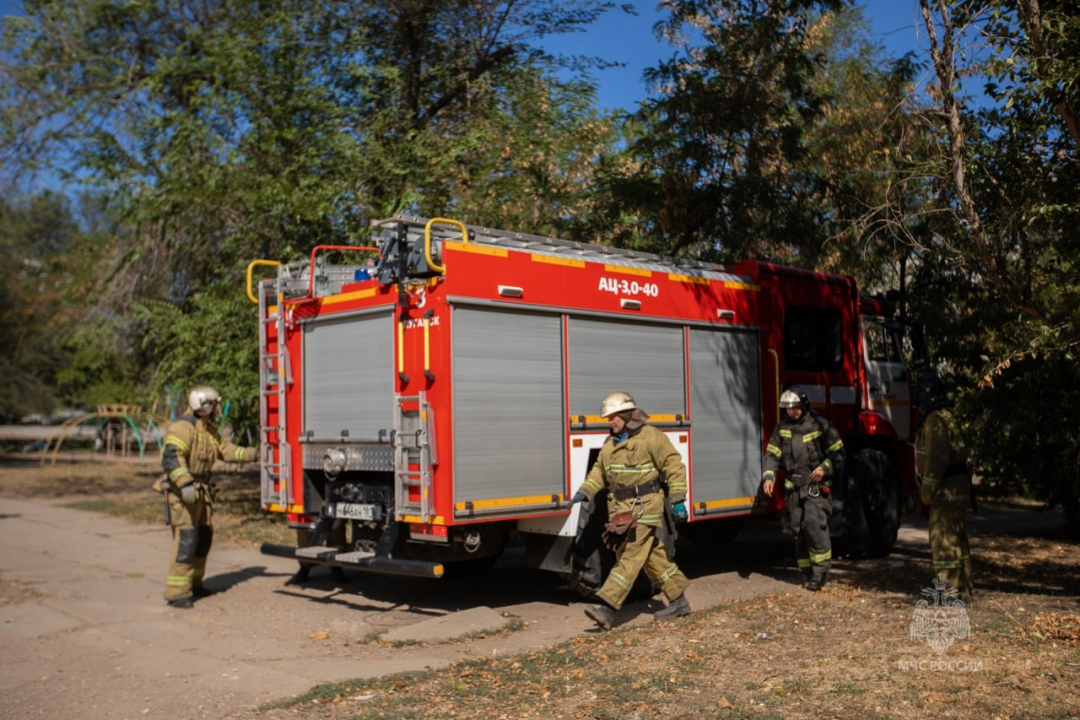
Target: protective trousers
[
  {"x": 810, "y": 523},
  {"x": 949, "y": 547},
  {"x": 642, "y": 550},
  {"x": 193, "y": 534}
]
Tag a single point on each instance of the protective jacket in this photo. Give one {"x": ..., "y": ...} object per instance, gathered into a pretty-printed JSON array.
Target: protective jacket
[
  {"x": 631, "y": 468},
  {"x": 942, "y": 462},
  {"x": 801, "y": 446},
  {"x": 192, "y": 446}
]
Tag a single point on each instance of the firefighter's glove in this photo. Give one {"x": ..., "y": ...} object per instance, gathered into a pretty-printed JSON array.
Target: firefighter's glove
[
  {"x": 189, "y": 493},
  {"x": 579, "y": 497},
  {"x": 678, "y": 511}
]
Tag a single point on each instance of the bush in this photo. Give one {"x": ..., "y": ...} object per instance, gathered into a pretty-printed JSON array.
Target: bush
[{"x": 1024, "y": 435}]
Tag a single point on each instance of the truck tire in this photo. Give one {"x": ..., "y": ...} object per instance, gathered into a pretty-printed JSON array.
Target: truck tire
[{"x": 872, "y": 504}]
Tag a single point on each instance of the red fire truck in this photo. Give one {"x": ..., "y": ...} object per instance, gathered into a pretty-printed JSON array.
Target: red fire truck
[{"x": 434, "y": 396}]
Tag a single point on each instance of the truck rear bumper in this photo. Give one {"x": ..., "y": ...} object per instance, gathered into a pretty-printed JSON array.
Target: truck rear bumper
[{"x": 368, "y": 562}]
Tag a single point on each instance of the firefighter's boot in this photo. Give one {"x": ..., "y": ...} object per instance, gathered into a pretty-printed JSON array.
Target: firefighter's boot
[
  {"x": 602, "y": 615},
  {"x": 817, "y": 581},
  {"x": 181, "y": 603},
  {"x": 676, "y": 608}
]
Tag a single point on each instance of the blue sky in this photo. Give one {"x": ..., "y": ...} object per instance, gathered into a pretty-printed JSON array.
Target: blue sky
[{"x": 624, "y": 38}]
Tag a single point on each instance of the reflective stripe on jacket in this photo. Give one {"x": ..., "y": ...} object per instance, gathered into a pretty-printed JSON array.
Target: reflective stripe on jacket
[
  {"x": 639, "y": 459},
  {"x": 802, "y": 445},
  {"x": 192, "y": 446}
]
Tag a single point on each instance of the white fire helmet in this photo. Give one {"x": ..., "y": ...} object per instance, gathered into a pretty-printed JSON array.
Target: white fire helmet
[
  {"x": 616, "y": 402},
  {"x": 203, "y": 400},
  {"x": 791, "y": 397}
]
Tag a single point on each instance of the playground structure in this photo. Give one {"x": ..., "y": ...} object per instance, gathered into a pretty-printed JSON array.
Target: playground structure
[{"x": 117, "y": 427}]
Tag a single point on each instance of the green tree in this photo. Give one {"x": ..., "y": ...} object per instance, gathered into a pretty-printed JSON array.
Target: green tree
[
  {"x": 779, "y": 131},
  {"x": 1008, "y": 177},
  {"x": 206, "y": 346},
  {"x": 224, "y": 131},
  {"x": 54, "y": 348},
  {"x": 33, "y": 233},
  {"x": 716, "y": 172}
]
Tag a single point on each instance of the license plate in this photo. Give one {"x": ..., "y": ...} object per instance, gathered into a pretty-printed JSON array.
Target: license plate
[{"x": 354, "y": 511}]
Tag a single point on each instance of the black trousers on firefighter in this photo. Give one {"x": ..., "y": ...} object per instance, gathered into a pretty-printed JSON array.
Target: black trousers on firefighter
[
  {"x": 810, "y": 522},
  {"x": 193, "y": 534}
]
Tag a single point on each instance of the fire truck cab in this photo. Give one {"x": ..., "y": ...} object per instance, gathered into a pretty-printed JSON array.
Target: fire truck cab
[{"x": 427, "y": 399}]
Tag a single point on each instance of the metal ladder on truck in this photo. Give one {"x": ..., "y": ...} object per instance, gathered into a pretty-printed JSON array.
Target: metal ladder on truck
[
  {"x": 274, "y": 375},
  {"x": 414, "y": 444}
]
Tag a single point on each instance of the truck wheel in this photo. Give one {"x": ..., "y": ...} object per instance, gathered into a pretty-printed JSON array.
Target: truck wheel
[{"x": 873, "y": 486}]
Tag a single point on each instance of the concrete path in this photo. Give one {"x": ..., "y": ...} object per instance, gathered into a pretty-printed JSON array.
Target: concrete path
[{"x": 86, "y": 633}]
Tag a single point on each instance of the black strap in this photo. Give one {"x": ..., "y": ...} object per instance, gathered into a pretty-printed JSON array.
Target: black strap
[{"x": 625, "y": 493}]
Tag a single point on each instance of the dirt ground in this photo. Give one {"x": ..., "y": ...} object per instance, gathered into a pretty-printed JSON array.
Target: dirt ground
[{"x": 86, "y": 632}]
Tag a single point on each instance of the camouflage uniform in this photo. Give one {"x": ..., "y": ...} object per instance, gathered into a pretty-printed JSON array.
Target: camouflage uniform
[
  {"x": 630, "y": 468},
  {"x": 192, "y": 446},
  {"x": 946, "y": 488},
  {"x": 801, "y": 446}
]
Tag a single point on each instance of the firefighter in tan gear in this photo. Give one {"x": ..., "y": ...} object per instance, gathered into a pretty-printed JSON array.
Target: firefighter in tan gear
[
  {"x": 810, "y": 449},
  {"x": 631, "y": 465},
  {"x": 946, "y": 484},
  {"x": 192, "y": 446}
]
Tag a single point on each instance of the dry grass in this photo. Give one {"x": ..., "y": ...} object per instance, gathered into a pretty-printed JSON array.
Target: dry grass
[
  {"x": 842, "y": 653},
  {"x": 124, "y": 490},
  {"x": 845, "y": 652}
]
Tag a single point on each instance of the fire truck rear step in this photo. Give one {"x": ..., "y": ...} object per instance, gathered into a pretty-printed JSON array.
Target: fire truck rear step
[{"x": 365, "y": 561}]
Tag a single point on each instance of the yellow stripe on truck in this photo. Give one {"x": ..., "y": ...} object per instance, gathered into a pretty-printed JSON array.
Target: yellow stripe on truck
[
  {"x": 346, "y": 297},
  {"x": 549, "y": 260},
  {"x": 628, "y": 270},
  {"x": 475, "y": 249},
  {"x": 510, "y": 502},
  {"x": 733, "y": 502}
]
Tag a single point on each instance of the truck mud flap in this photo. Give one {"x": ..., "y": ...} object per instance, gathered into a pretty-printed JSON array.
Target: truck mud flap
[{"x": 366, "y": 561}]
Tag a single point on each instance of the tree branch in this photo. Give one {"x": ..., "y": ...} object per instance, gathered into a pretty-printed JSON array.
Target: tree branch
[
  {"x": 1031, "y": 16},
  {"x": 992, "y": 263}
]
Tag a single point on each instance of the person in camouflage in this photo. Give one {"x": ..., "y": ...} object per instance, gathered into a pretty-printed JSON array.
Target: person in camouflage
[
  {"x": 945, "y": 484},
  {"x": 630, "y": 465},
  {"x": 192, "y": 446},
  {"x": 811, "y": 451}
]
